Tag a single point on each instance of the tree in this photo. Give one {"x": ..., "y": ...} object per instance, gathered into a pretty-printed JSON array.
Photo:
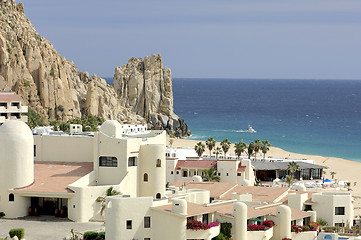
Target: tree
[
  {"x": 250, "y": 149},
  {"x": 210, "y": 143},
  {"x": 210, "y": 175},
  {"x": 200, "y": 148},
  {"x": 293, "y": 167},
  {"x": 333, "y": 174},
  {"x": 239, "y": 148},
  {"x": 102, "y": 199},
  {"x": 265, "y": 148},
  {"x": 225, "y": 144},
  {"x": 34, "y": 119},
  {"x": 257, "y": 147},
  {"x": 289, "y": 179},
  {"x": 217, "y": 151}
]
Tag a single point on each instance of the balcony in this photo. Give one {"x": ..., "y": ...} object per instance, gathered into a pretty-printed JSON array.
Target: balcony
[
  {"x": 203, "y": 234},
  {"x": 260, "y": 235},
  {"x": 310, "y": 235}
]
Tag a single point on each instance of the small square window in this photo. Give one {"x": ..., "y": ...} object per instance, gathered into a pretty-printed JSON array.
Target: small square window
[
  {"x": 129, "y": 224},
  {"x": 239, "y": 174},
  {"x": 339, "y": 210}
]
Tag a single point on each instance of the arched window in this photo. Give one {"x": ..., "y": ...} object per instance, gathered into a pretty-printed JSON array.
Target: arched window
[
  {"x": 158, "y": 196},
  {"x": 159, "y": 163},
  {"x": 11, "y": 197},
  {"x": 145, "y": 178}
]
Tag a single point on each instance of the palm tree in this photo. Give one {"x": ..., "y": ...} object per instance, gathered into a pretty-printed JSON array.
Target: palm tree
[
  {"x": 109, "y": 192},
  {"x": 293, "y": 167},
  {"x": 250, "y": 149},
  {"x": 200, "y": 148},
  {"x": 265, "y": 148},
  {"x": 210, "y": 143},
  {"x": 289, "y": 179},
  {"x": 210, "y": 175},
  {"x": 333, "y": 174},
  {"x": 239, "y": 148},
  {"x": 257, "y": 147},
  {"x": 217, "y": 151},
  {"x": 225, "y": 144}
]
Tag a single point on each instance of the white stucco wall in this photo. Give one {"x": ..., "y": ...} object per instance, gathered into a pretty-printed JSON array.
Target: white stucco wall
[
  {"x": 63, "y": 148},
  {"x": 228, "y": 167}
]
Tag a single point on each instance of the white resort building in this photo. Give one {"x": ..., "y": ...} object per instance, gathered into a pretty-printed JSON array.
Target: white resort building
[
  {"x": 56, "y": 173},
  {"x": 11, "y": 107}
]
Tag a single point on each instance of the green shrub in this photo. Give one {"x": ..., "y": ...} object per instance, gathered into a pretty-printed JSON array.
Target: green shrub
[
  {"x": 52, "y": 71},
  {"x": 34, "y": 119},
  {"x": 321, "y": 221},
  {"x": 26, "y": 84},
  {"x": 61, "y": 108},
  {"x": 2, "y": 214},
  {"x": 90, "y": 235},
  {"x": 101, "y": 236},
  {"x": 19, "y": 232},
  {"x": 220, "y": 237},
  {"x": 226, "y": 229}
]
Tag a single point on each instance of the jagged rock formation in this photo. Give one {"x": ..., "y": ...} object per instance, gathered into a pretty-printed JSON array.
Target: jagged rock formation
[{"x": 53, "y": 86}]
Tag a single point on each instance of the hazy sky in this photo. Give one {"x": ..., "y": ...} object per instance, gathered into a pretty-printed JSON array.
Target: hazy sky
[{"x": 233, "y": 39}]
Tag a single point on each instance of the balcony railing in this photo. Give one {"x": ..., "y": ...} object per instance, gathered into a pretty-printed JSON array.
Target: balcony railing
[
  {"x": 203, "y": 234},
  {"x": 260, "y": 235}
]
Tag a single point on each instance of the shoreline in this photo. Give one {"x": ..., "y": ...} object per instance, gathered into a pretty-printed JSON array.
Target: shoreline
[{"x": 345, "y": 169}]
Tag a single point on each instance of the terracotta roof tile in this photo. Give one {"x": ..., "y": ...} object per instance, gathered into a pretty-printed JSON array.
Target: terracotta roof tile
[
  {"x": 8, "y": 97},
  {"x": 54, "y": 177},
  {"x": 204, "y": 164}
]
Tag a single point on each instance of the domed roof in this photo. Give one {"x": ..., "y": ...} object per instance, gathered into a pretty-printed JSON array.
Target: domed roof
[
  {"x": 245, "y": 182},
  {"x": 112, "y": 128},
  {"x": 15, "y": 129}
]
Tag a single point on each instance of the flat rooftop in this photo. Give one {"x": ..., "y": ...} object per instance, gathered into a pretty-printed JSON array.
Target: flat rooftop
[{"x": 55, "y": 177}]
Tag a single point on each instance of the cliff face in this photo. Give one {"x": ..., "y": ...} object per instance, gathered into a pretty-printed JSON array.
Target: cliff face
[{"x": 53, "y": 86}]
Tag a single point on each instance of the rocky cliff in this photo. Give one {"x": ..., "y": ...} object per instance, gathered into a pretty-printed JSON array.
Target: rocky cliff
[{"x": 53, "y": 86}]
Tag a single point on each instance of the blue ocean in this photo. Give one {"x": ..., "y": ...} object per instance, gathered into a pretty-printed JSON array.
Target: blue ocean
[{"x": 318, "y": 117}]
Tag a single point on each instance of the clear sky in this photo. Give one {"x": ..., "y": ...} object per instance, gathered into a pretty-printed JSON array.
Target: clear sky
[{"x": 309, "y": 39}]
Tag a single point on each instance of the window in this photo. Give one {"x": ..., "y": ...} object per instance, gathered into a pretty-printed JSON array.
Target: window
[
  {"x": 171, "y": 172},
  {"x": 11, "y": 197},
  {"x": 316, "y": 173},
  {"x": 305, "y": 174},
  {"x": 129, "y": 224},
  {"x": 177, "y": 172},
  {"x": 239, "y": 174},
  {"x": 339, "y": 210},
  {"x": 308, "y": 208},
  {"x": 146, "y": 222},
  {"x": 34, "y": 150},
  {"x": 158, "y": 196},
  {"x": 132, "y": 161},
  {"x": 205, "y": 218},
  {"x": 185, "y": 173},
  {"x": 145, "y": 178},
  {"x": 159, "y": 163},
  {"x": 219, "y": 174},
  {"x": 4, "y": 104},
  {"x": 339, "y": 224},
  {"x": 227, "y": 174},
  {"x": 108, "y": 162},
  {"x": 174, "y": 155},
  {"x": 146, "y": 238},
  {"x": 15, "y": 104}
]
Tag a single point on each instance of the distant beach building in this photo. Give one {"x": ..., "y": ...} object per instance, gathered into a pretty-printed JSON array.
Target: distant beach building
[{"x": 11, "y": 107}]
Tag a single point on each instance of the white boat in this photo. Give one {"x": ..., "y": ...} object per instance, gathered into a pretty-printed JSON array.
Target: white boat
[{"x": 249, "y": 130}]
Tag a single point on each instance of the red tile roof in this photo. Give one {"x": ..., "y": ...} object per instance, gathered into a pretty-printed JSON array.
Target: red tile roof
[
  {"x": 8, "y": 97},
  {"x": 204, "y": 164},
  {"x": 55, "y": 177},
  {"x": 241, "y": 168}
]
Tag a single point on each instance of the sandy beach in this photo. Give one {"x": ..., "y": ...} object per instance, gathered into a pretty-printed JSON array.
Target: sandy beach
[{"x": 345, "y": 169}]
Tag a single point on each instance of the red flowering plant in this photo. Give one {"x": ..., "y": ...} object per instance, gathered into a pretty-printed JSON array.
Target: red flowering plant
[
  {"x": 314, "y": 226},
  {"x": 296, "y": 228},
  {"x": 198, "y": 225},
  {"x": 286, "y": 238},
  {"x": 268, "y": 223},
  {"x": 255, "y": 227}
]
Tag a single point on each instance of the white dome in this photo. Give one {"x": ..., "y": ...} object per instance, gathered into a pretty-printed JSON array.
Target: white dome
[
  {"x": 299, "y": 187},
  {"x": 17, "y": 155},
  {"x": 112, "y": 128},
  {"x": 245, "y": 182},
  {"x": 197, "y": 178}
]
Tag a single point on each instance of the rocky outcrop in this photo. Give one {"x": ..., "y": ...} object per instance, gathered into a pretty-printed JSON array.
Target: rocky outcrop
[
  {"x": 145, "y": 86},
  {"x": 53, "y": 86}
]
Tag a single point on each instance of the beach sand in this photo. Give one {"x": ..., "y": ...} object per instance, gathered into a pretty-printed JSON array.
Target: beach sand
[{"x": 345, "y": 169}]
